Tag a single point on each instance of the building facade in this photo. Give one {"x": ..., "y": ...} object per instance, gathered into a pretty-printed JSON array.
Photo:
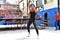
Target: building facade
[
  {"x": 49, "y": 7},
  {"x": 24, "y": 6}
]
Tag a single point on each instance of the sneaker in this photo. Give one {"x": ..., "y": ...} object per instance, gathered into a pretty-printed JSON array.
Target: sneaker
[
  {"x": 28, "y": 34},
  {"x": 38, "y": 37},
  {"x": 37, "y": 34}
]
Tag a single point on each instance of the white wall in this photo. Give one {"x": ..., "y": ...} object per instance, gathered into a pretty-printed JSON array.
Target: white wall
[
  {"x": 25, "y": 8},
  {"x": 51, "y": 5}
]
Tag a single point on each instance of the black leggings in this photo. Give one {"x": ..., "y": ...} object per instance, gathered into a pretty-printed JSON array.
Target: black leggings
[{"x": 28, "y": 26}]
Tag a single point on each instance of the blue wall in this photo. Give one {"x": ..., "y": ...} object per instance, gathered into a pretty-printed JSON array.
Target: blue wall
[{"x": 51, "y": 16}]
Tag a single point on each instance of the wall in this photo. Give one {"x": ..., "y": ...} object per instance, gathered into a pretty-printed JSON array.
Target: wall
[{"x": 50, "y": 8}]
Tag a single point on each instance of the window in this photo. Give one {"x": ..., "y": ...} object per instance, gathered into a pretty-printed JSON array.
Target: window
[
  {"x": 39, "y": 2},
  {"x": 14, "y": 6},
  {"x": 47, "y": 1},
  {"x": 0, "y": 5},
  {"x": 5, "y": 6}
]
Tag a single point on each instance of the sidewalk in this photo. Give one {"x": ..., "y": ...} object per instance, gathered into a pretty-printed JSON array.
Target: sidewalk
[{"x": 22, "y": 35}]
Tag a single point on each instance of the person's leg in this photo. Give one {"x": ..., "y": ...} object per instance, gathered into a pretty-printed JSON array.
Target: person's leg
[
  {"x": 28, "y": 26},
  {"x": 35, "y": 28},
  {"x": 59, "y": 24},
  {"x": 56, "y": 24}
]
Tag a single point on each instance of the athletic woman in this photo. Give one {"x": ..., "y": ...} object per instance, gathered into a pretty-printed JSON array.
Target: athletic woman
[{"x": 32, "y": 19}]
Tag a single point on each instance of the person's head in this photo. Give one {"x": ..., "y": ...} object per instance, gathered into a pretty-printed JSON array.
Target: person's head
[
  {"x": 57, "y": 13},
  {"x": 32, "y": 6}
]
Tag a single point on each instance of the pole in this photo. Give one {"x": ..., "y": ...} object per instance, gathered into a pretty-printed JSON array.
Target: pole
[
  {"x": 58, "y": 5},
  {"x": 27, "y": 7}
]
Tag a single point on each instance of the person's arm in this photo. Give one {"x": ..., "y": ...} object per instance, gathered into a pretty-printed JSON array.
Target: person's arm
[{"x": 37, "y": 10}]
